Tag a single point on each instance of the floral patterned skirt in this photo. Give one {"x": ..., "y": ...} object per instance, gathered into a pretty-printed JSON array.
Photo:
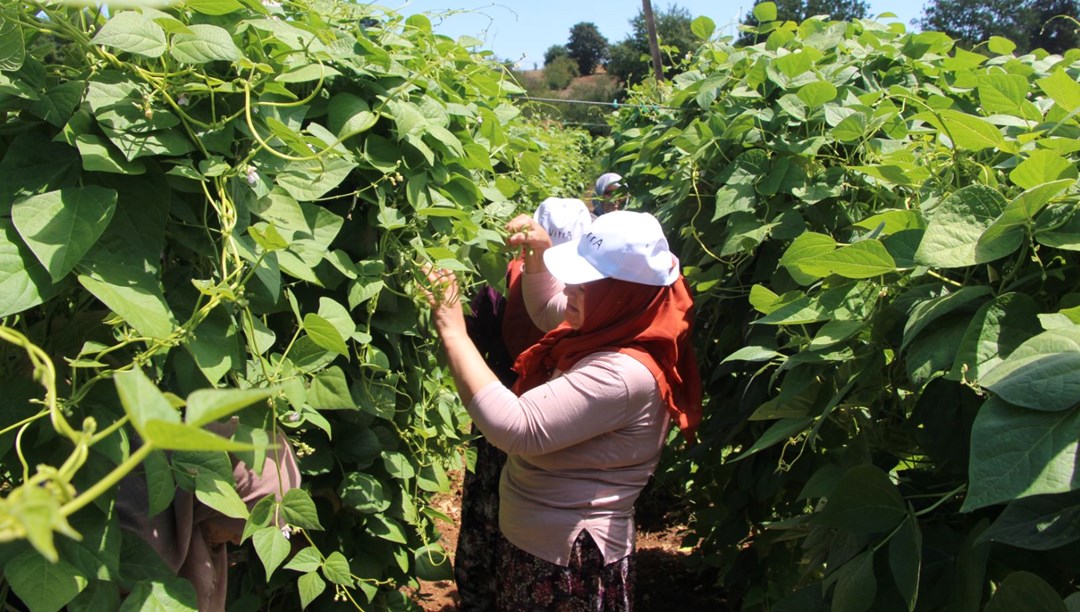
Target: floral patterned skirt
[
  {"x": 493, "y": 574},
  {"x": 526, "y": 582}
]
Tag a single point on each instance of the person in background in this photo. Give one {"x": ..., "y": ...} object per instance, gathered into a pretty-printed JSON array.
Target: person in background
[
  {"x": 501, "y": 329},
  {"x": 586, "y": 420},
  {"x": 610, "y": 194},
  {"x": 191, "y": 537}
]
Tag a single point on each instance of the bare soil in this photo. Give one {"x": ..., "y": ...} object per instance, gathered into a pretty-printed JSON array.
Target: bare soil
[{"x": 664, "y": 582}]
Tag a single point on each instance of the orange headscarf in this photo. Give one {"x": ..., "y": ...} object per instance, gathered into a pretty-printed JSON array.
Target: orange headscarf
[{"x": 650, "y": 324}]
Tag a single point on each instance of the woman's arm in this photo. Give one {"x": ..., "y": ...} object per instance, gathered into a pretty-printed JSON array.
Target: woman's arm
[
  {"x": 594, "y": 397},
  {"x": 471, "y": 373}
]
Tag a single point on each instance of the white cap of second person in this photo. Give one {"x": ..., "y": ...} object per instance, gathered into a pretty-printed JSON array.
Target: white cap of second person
[{"x": 564, "y": 219}]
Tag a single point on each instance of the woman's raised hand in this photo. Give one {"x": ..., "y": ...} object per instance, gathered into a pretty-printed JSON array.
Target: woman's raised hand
[
  {"x": 525, "y": 232},
  {"x": 443, "y": 294}
]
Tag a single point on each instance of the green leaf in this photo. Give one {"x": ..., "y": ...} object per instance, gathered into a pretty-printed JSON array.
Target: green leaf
[
  {"x": 311, "y": 180},
  {"x": 1025, "y": 592},
  {"x": 336, "y": 569},
  {"x": 204, "y": 43},
  {"x": 967, "y": 132},
  {"x": 177, "y": 436},
  {"x": 1043, "y": 166},
  {"x": 208, "y": 405},
  {"x": 12, "y": 47},
  {"x": 864, "y": 502},
  {"x": 267, "y": 237},
  {"x": 955, "y": 227},
  {"x": 1040, "y": 522},
  {"x": 765, "y": 11},
  {"x": 843, "y": 302},
  {"x": 59, "y": 102},
  {"x": 834, "y": 332},
  {"x": 61, "y": 226},
  {"x": 996, "y": 330},
  {"x": 130, "y": 291},
  {"x": 850, "y": 129},
  {"x": 171, "y": 595},
  {"x": 307, "y": 74},
  {"x": 1062, "y": 89},
  {"x": 132, "y": 32},
  {"x": 897, "y": 173},
  {"x": 189, "y": 464},
  {"x": 752, "y": 353},
  {"x": 43, "y": 585},
  {"x": 364, "y": 493},
  {"x": 306, "y": 560},
  {"x": 817, "y": 93},
  {"x": 432, "y": 563},
  {"x": 1003, "y": 93},
  {"x": 432, "y": 478},
  {"x": 1009, "y": 231},
  {"x": 299, "y": 510},
  {"x": 1018, "y": 453},
  {"x": 142, "y": 401},
  {"x": 213, "y": 7},
  {"x": 272, "y": 548},
  {"x": 261, "y": 514},
  {"x": 703, "y": 27},
  {"x": 214, "y": 345},
  {"x": 1043, "y": 373},
  {"x": 350, "y": 115},
  {"x": 777, "y": 432},
  {"x": 160, "y": 485},
  {"x": 905, "y": 560},
  {"x": 398, "y": 465},
  {"x": 220, "y": 494},
  {"x": 807, "y": 246},
  {"x": 99, "y": 595},
  {"x": 863, "y": 259},
  {"x": 24, "y": 282},
  {"x": 856, "y": 585},
  {"x": 324, "y": 334},
  {"x": 310, "y": 586},
  {"x": 386, "y": 528},
  {"x": 928, "y": 311},
  {"x": 98, "y": 156},
  {"x": 1000, "y": 45}
]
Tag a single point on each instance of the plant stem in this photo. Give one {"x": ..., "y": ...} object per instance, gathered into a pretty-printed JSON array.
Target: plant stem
[{"x": 109, "y": 481}]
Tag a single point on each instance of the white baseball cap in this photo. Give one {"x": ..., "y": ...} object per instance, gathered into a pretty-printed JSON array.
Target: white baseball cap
[
  {"x": 606, "y": 181},
  {"x": 624, "y": 245},
  {"x": 564, "y": 219}
]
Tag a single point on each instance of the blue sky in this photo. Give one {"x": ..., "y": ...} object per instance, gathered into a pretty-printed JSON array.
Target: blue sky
[{"x": 521, "y": 30}]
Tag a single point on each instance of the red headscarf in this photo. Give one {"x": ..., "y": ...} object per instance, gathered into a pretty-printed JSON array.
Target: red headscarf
[
  {"x": 518, "y": 330},
  {"x": 650, "y": 324}
]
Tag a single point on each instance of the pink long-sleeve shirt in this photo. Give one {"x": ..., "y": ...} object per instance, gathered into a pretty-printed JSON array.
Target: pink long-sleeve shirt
[{"x": 581, "y": 448}]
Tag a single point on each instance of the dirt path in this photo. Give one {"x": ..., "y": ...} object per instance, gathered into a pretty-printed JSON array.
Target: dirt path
[{"x": 664, "y": 582}]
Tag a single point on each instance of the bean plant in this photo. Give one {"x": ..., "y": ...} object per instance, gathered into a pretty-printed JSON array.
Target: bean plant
[
  {"x": 215, "y": 209},
  {"x": 882, "y": 232}
]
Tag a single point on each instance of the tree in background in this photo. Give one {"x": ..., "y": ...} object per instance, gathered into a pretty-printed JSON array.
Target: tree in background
[
  {"x": 800, "y": 10},
  {"x": 1030, "y": 24},
  {"x": 971, "y": 22},
  {"x": 559, "y": 72},
  {"x": 1055, "y": 26},
  {"x": 630, "y": 60},
  {"x": 587, "y": 46},
  {"x": 553, "y": 52}
]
